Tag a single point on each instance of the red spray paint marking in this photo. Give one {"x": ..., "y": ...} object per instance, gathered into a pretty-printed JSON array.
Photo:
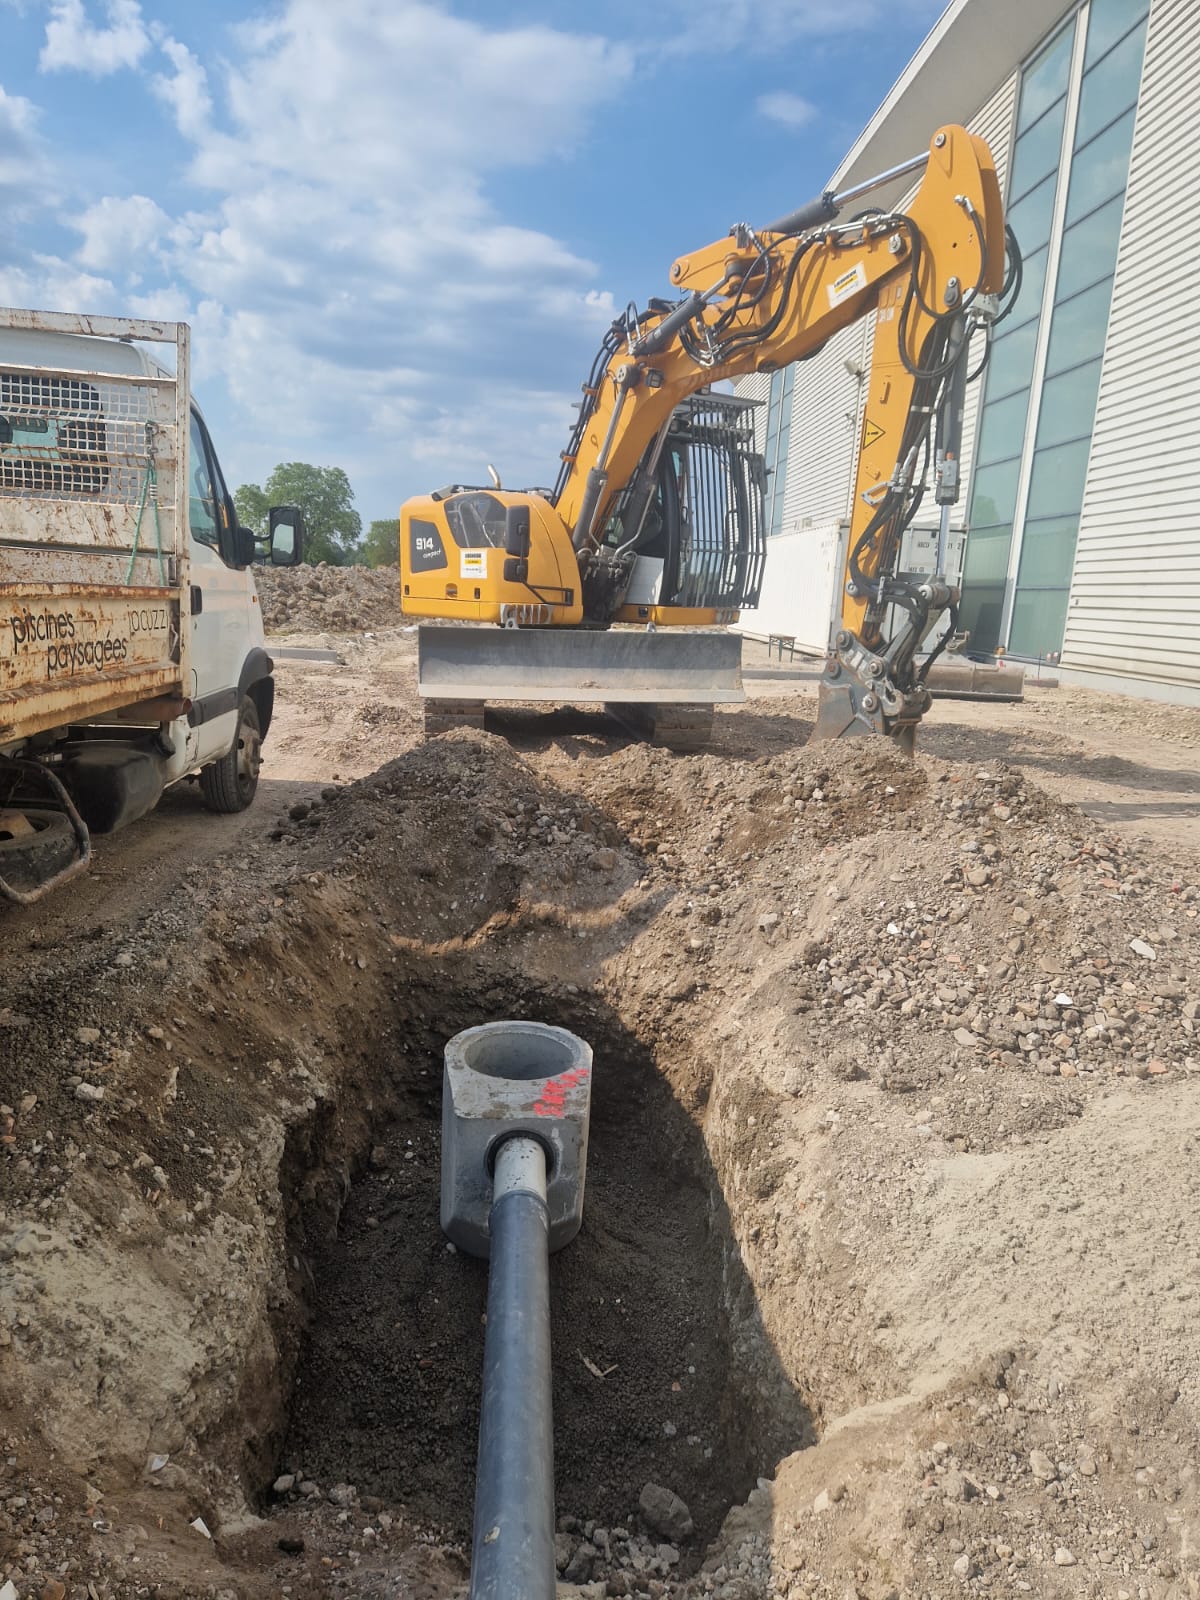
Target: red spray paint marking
[{"x": 554, "y": 1096}]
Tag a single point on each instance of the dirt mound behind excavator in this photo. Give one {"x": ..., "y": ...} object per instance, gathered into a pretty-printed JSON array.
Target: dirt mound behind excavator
[{"x": 325, "y": 599}]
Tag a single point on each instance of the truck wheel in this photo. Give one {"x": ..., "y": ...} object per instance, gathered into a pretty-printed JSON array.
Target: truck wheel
[
  {"x": 228, "y": 785},
  {"x": 44, "y": 844}
]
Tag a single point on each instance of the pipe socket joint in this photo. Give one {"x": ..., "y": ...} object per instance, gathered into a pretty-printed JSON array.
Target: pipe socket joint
[{"x": 500, "y": 1081}]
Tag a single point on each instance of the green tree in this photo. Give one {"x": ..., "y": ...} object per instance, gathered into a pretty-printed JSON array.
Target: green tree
[
  {"x": 381, "y": 547},
  {"x": 332, "y": 526}
]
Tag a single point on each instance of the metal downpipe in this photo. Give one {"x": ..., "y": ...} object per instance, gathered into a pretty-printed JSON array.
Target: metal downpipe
[{"x": 512, "y": 1554}]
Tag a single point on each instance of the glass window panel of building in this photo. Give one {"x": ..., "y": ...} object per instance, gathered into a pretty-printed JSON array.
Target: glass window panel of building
[
  {"x": 1031, "y": 216},
  {"x": 1006, "y": 429},
  {"x": 1068, "y": 405},
  {"x": 1010, "y": 365},
  {"x": 1089, "y": 248},
  {"x": 1037, "y": 629},
  {"x": 1047, "y": 551},
  {"x": 1038, "y": 151},
  {"x": 1045, "y": 78},
  {"x": 994, "y": 493},
  {"x": 1072, "y": 335},
  {"x": 1077, "y": 328},
  {"x": 1099, "y": 169},
  {"x": 1028, "y": 304},
  {"x": 1108, "y": 21},
  {"x": 1108, "y": 87},
  {"x": 1056, "y": 485}
]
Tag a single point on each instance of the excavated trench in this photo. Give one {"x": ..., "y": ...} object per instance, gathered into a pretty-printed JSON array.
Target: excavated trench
[{"x": 661, "y": 1371}]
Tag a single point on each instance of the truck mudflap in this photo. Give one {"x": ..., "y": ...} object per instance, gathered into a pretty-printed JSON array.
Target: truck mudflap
[
  {"x": 43, "y": 840},
  {"x": 470, "y": 665}
]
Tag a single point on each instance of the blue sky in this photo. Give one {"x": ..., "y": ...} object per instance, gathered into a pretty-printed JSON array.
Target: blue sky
[{"x": 399, "y": 229}]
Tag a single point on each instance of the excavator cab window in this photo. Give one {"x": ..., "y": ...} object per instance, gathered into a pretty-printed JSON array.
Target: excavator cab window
[
  {"x": 476, "y": 520},
  {"x": 659, "y": 532}
]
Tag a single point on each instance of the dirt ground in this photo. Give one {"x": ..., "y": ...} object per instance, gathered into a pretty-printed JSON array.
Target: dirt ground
[{"x": 889, "y": 1267}]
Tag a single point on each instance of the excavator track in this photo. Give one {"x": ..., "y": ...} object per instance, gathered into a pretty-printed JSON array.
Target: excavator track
[
  {"x": 443, "y": 716},
  {"x": 686, "y": 729}
]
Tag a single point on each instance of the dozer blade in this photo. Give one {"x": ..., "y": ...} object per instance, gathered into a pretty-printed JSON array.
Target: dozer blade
[{"x": 625, "y": 667}]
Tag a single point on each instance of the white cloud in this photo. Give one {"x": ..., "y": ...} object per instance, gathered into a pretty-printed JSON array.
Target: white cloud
[
  {"x": 765, "y": 26},
  {"x": 186, "y": 91},
  {"x": 365, "y": 275},
  {"x": 380, "y": 97},
  {"x": 351, "y": 286},
  {"x": 119, "y": 233},
  {"x": 74, "y": 43},
  {"x": 787, "y": 109},
  {"x": 351, "y": 282},
  {"x": 22, "y": 164},
  {"x": 48, "y": 283},
  {"x": 17, "y": 118}
]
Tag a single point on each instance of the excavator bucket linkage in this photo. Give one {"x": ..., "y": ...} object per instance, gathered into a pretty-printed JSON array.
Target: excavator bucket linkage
[{"x": 857, "y": 696}]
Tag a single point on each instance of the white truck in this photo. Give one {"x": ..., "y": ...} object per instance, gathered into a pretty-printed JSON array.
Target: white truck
[{"x": 132, "y": 652}]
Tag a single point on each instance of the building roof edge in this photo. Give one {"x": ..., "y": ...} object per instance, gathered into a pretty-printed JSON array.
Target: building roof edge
[{"x": 960, "y": 64}]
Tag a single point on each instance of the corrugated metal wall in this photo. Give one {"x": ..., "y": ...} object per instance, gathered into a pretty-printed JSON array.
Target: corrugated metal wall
[
  {"x": 995, "y": 124},
  {"x": 825, "y": 424},
  {"x": 1135, "y": 595},
  {"x": 757, "y": 386}
]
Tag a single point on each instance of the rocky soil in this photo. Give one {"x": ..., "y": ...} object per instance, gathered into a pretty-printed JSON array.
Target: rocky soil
[
  {"x": 325, "y": 599},
  {"x": 888, "y": 1278}
]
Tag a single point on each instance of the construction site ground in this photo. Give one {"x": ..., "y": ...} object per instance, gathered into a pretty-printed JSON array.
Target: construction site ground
[{"x": 889, "y": 1266}]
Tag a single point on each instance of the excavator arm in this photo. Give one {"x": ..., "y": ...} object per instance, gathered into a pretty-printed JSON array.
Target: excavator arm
[{"x": 755, "y": 301}]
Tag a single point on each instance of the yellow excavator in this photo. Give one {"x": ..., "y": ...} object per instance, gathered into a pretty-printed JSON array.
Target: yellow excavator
[{"x": 656, "y": 518}]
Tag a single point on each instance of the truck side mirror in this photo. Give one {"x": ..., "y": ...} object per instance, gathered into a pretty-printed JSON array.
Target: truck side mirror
[{"x": 286, "y": 542}]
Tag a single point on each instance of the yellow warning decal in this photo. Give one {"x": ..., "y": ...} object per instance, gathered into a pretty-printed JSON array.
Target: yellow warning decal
[
  {"x": 846, "y": 284},
  {"x": 872, "y": 433}
]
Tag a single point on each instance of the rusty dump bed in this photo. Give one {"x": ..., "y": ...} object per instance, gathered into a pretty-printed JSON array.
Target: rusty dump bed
[{"x": 93, "y": 530}]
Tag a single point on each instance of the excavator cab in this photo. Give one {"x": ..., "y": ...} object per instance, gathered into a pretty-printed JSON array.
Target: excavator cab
[{"x": 697, "y": 544}]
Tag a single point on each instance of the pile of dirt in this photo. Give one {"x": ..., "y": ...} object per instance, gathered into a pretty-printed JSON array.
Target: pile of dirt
[
  {"x": 893, "y": 1173},
  {"x": 325, "y": 599}
]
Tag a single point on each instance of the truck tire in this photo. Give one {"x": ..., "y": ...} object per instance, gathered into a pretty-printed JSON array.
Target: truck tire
[
  {"x": 27, "y": 859},
  {"x": 228, "y": 785}
]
